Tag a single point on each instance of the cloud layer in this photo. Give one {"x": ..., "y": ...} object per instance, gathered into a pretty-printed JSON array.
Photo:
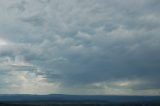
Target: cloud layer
[{"x": 80, "y": 47}]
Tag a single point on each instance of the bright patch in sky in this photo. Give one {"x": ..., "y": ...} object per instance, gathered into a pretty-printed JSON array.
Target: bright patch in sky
[{"x": 2, "y": 42}]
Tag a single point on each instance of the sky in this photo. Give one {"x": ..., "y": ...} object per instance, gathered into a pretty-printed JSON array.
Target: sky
[{"x": 93, "y": 47}]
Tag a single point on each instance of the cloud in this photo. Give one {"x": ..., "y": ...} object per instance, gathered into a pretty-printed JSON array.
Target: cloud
[{"x": 108, "y": 46}]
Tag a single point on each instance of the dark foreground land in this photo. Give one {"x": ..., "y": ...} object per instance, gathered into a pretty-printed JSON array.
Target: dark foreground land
[
  {"x": 78, "y": 100},
  {"x": 79, "y": 104}
]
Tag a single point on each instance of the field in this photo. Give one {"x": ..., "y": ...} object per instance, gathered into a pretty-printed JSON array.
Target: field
[
  {"x": 78, "y": 100},
  {"x": 82, "y": 103}
]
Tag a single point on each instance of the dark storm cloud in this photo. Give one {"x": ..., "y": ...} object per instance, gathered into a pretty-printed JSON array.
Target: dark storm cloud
[
  {"x": 36, "y": 20},
  {"x": 82, "y": 43}
]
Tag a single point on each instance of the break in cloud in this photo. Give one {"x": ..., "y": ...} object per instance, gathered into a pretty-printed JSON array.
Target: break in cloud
[{"x": 80, "y": 46}]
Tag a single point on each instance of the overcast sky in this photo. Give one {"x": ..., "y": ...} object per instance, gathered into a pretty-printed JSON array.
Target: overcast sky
[{"x": 80, "y": 47}]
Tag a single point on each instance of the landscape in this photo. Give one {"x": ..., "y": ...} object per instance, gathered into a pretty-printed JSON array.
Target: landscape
[{"x": 78, "y": 100}]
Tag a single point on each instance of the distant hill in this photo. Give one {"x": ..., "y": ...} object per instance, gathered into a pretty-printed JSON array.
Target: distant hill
[{"x": 61, "y": 97}]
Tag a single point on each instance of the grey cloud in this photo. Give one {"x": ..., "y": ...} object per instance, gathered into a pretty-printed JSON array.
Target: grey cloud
[
  {"x": 20, "y": 6},
  {"x": 80, "y": 43},
  {"x": 36, "y": 20}
]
